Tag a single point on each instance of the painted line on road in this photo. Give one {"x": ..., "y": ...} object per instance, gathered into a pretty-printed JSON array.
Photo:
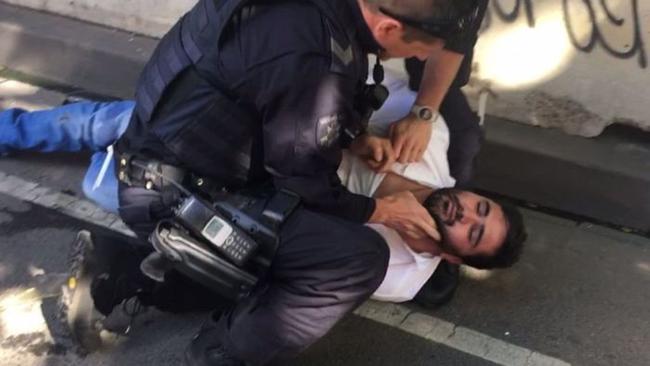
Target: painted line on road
[
  {"x": 395, "y": 315},
  {"x": 64, "y": 203},
  {"x": 457, "y": 337}
]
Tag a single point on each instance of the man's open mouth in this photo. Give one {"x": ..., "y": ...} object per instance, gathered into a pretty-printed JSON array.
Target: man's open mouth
[{"x": 450, "y": 208}]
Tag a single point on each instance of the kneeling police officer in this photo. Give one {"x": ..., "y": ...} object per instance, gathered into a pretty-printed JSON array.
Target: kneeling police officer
[{"x": 250, "y": 98}]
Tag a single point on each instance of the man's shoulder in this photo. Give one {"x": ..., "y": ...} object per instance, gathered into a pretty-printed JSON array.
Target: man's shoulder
[
  {"x": 273, "y": 31},
  {"x": 285, "y": 27}
]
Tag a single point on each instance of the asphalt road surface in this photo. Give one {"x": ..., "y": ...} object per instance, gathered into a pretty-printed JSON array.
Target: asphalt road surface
[{"x": 579, "y": 296}]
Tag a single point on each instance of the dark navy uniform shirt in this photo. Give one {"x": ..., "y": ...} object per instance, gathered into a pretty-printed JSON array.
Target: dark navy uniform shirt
[
  {"x": 463, "y": 43},
  {"x": 286, "y": 63}
]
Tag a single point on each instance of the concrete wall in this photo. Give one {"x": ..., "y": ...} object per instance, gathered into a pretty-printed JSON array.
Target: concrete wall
[
  {"x": 148, "y": 17},
  {"x": 575, "y": 64},
  {"x": 578, "y": 65}
]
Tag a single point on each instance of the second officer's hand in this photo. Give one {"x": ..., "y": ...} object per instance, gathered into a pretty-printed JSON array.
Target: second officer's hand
[
  {"x": 376, "y": 151},
  {"x": 410, "y": 137},
  {"x": 402, "y": 211}
]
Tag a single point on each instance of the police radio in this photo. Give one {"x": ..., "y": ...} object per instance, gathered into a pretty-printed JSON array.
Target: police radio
[
  {"x": 227, "y": 245},
  {"x": 208, "y": 224},
  {"x": 211, "y": 247}
]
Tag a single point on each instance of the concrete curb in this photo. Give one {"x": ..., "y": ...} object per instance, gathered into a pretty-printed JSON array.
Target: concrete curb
[
  {"x": 67, "y": 51},
  {"x": 606, "y": 178}
]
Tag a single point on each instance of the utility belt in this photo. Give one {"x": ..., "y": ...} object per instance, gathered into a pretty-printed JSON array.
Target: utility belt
[
  {"x": 155, "y": 175},
  {"x": 222, "y": 239}
]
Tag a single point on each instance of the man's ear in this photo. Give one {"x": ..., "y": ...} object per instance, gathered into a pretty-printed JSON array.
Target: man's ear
[
  {"x": 389, "y": 27},
  {"x": 451, "y": 258}
]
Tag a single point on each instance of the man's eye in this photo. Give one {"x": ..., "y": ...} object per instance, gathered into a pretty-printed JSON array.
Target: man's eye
[
  {"x": 483, "y": 208},
  {"x": 475, "y": 234}
]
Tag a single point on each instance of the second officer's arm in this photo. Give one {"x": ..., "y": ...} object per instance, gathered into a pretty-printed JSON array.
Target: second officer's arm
[{"x": 410, "y": 135}]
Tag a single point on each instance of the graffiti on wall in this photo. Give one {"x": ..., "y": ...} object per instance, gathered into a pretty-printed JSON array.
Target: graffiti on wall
[{"x": 597, "y": 36}]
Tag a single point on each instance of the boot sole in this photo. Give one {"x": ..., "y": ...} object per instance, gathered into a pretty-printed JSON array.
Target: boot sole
[{"x": 76, "y": 316}]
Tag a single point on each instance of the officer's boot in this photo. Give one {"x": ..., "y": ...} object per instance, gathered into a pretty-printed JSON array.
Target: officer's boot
[
  {"x": 104, "y": 272},
  {"x": 206, "y": 350},
  {"x": 440, "y": 287}
]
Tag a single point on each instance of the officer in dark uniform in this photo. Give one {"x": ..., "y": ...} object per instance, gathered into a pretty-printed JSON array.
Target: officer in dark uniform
[
  {"x": 246, "y": 94},
  {"x": 465, "y": 134}
]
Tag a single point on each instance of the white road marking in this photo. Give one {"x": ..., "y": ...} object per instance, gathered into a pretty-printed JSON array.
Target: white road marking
[
  {"x": 398, "y": 316},
  {"x": 451, "y": 335},
  {"x": 67, "y": 204}
]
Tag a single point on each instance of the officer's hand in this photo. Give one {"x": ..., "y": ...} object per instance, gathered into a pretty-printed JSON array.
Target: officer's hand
[
  {"x": 403, "y": 212},
  {"x": 410, "y": 137},
  {"x": 376, "y": 151}
]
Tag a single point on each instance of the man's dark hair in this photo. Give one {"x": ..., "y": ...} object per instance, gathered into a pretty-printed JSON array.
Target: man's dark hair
[
  {"x": 510, "y": 250},
  {"x": 426, "y": 20},
  {"x": 424, "y": 9}
]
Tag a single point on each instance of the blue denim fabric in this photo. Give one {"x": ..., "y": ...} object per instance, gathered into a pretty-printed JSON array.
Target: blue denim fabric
[
  {"x": 73, "y": 127},
  {"x": 105, "y": 195}
]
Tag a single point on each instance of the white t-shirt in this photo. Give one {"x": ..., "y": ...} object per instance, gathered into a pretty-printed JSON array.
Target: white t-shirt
[{"x": 407, "y": 271}]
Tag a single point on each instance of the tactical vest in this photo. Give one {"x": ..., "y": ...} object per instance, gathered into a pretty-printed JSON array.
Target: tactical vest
[{"x": 184, "y": 115}]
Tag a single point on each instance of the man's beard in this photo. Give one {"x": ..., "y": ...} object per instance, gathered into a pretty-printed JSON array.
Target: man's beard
[{"x": 443, "y": 205}]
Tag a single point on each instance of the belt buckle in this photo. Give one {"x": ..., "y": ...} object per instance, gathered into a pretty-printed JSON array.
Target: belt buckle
[{"x": 123, "y": 168}]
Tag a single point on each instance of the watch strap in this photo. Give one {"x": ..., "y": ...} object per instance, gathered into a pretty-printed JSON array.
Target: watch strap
[{"x": 425, "y": 113}]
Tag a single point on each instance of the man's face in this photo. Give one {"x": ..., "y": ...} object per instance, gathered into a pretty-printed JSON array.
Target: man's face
[
  {"x": 468, "y": 223},
  {"x": 390, "y": 36}
]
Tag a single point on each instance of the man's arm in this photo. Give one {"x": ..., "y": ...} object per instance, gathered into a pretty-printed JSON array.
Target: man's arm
[
  {"x": 411, "y": 135},
  {"x": 440, "y": 70}
]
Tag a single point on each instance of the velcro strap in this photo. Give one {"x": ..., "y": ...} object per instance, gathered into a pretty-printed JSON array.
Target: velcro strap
[{"x": 280, "y": 207}]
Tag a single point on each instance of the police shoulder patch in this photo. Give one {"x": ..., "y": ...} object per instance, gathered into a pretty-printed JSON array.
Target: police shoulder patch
[
  {"x": 328, "y": 130},
  {"x": 342, "y": 56}
]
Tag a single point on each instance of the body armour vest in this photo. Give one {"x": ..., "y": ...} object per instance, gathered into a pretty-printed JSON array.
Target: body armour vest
[{"x": 186, "y": 116}]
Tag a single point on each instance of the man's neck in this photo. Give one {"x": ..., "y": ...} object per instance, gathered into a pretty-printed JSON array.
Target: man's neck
[
  {"x": 394, "y": 183},
  {"x": 426, "y": 245}
]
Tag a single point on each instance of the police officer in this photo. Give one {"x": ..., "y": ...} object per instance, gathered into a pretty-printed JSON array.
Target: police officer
[
  {"x": 243, "y": 94},
  {"x": 442, "y": 80}
]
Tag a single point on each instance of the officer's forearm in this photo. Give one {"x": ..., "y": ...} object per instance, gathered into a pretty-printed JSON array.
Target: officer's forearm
[
  {"x": 323, "y": 194},
  {"x": 439, "y": 72},
  {"x": 402, "y": 212},
  {"x": 394, "y": 208}
]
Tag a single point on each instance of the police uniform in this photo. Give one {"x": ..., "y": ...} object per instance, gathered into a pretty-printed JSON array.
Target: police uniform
[
  {"x": 465, "y": 133},
  {"x": 247, "y": 93}
]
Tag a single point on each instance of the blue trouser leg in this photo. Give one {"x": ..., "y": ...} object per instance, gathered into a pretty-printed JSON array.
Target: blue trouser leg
[
  {"x": 105, "y": 194},
  {"x": 73, "y": 127}
]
